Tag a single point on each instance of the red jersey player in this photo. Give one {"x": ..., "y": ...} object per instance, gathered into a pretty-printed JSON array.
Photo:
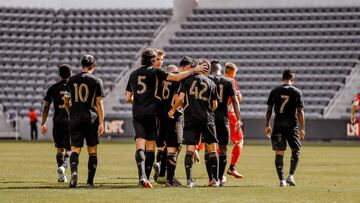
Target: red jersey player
[
  {"x": 236, "y": 136},
  {"x": 355, "y": 105}
]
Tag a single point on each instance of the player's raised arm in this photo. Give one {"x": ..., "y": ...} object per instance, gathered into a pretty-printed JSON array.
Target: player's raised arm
[
  {"x": 45, "y": 113},
  {"x": 179, "y": 76}
]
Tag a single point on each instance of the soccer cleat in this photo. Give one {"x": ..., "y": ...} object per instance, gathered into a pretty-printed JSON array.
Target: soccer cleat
[
  {"x": 234, "y": 173},
  {"x": 73, "y": 180},
  {"x": 283, "y": 183},
  {"x": 61, "y": 175},
  {"x": 145, "y": 183},
  {"x": 223, "y": 181},
  {"x": 214, "y": 183},
  {"x": 157, "y": 171},
  {"x": 291, "y": 181},
  {"x": 173, "y": 183},
  {"x": 197, "y": 157},
  {"x": 161, "y": 180},
  {"x": 89, "y": 186},
  {"x": 190, "y": 183},
  {"x": 177, "y": 181}
]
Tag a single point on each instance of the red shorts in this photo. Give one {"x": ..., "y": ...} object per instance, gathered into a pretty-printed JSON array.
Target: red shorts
[{"x": 234, "y": 136}]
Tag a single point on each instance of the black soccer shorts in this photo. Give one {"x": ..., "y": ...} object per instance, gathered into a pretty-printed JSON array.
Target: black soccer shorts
[
  {"x": 145, "y": 127},
  {"x": 171, "y": 130},
  {"x": 223, "y": 131},
  {"x": 84, "y": 130},
  {"x": 280, "y": 136},
  {"x": 61, "y": 135},
  {"x": 193, "y": 131}
]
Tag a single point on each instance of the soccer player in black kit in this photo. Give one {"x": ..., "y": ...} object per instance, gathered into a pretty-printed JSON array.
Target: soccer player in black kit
[
  {"x": 225, "y": 90},
  {"x": 141, "y": 91},
  {"x": 56, "y": 94},
  {"x": 86, "y": 117},
  {"x": 288, "y": 105},
  {"x": 199, "y": 94}
]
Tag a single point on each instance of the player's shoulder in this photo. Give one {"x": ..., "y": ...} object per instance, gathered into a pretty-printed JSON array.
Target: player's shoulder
[{"x": 297, "y": 90}]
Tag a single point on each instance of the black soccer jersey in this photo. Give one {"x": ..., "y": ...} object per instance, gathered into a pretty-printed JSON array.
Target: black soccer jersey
[
  {"x": 56, "y": 94},
  {"x": 225, "y": 89},
  {"x": 168, "y": 89},
  {"x": 84, "y": 88},
  {"x": 200, "y": 92},
  {"x": 286, "y": 99},
  {"x": 144, "y": 83}
]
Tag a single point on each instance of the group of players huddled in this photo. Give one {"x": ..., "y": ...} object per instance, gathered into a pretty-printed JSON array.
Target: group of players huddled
[{"x": 194, "y": 104}]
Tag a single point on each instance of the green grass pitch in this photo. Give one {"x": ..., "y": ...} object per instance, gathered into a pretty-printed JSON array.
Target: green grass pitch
[{"x": 325, "y": 174}]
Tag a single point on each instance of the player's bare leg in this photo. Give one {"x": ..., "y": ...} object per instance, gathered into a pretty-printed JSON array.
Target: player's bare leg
[
  {"x": 74, "y": 163},
  {"x": 92, "y": 165},
  {"x": 140, "y": 161},
  {"x": 279, "y": 163}
]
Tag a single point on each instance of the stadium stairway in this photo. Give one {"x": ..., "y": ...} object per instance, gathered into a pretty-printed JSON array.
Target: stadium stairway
[{"x": 340, "y": 105}]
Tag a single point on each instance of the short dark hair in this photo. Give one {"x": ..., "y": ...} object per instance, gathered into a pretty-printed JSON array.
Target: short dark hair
[
  {"x": 187, "y": 61},
  {"x": 65, "y": 71},
  {"x": 288, "y": 74},
  {"x": 148, "y": 57},
  {"x": 88, "y": 60}
]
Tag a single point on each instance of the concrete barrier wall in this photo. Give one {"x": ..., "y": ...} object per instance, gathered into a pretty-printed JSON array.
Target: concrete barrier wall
[{"x": 316, "y": 129}]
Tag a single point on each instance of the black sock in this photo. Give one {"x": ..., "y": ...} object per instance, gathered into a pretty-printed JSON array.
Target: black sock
[
  {"x": 208, "y": 166},
  {"x": 159, "y": 156},
  {"x": 279, "y": 163},
  {"x": 149, "y": 161},
  {"x": 232, "y": 167},
  {"x": 74, "y": 162},
  {"x": 66, "y": 160},
  {"x": 222, "y": 164},
  {"x": 140, "y": 161},
  {"x": 163, "y": 163},
  {"x": 59, "y": 159},
  {"x": 92, "y": 164},
  {"x": 214, "y": 162},
  {"x": 295, "y": 156},
  {"x": 188, "y": 164},
  {"x": 170, "y": 166}
]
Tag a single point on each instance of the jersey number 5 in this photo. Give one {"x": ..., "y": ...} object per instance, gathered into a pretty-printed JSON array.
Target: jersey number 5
[
  {"x": 142, "y": 84},
  {"x": 286, "y": 100}
]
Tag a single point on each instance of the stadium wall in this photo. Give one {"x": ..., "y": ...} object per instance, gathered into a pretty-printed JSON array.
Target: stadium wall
[
  {"x": 316, "y": 129},
  {"x": 276, "y": 3},
  {"x": 87, "y": 4}
]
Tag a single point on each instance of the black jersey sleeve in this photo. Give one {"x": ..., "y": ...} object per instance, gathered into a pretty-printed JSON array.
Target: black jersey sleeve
[
  {"x": 48, "y": 95},
  {"x": 271, "y": 101},
  {"x": 182, "y": 87},
  {"x": 99, "y": 89},
  {"x": 128, "y": 86},
  {"x": 299, "y": 101},
  {"x": 161, "y": 74},
  {"x": 213, "y": 91}
]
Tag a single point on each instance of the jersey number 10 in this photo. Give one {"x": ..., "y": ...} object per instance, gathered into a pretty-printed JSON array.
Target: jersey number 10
[{"x": 81, "y": 92}]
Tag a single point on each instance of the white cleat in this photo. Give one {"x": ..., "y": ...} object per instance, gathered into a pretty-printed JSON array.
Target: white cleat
[
  {"x": 61, "y": 175},
  {"x": 291, "y": 180},
  {"x": 190, "y": 184},
  {"x": 283, "y": 183}
]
